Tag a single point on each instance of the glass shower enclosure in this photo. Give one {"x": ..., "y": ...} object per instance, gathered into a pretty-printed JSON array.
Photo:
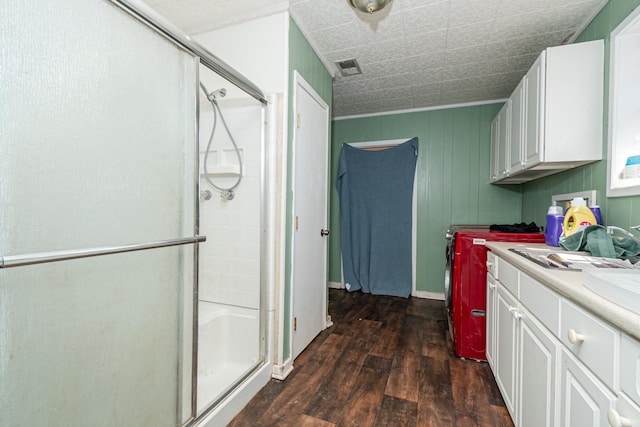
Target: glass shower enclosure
[{"x": 105, "y": 240}]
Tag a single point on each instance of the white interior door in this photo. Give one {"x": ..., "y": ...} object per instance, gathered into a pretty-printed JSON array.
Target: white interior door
[{"x": 311, "y": 150}]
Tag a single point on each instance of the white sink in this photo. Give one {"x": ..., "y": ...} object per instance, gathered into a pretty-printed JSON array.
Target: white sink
[{"x": 619, "y": 286}]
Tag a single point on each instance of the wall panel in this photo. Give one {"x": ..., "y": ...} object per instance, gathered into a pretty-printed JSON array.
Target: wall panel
[{"x": 452, "y": 179}]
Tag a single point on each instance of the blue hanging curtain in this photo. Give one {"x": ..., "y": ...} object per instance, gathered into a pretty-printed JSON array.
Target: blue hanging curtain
[{"x": 376, "y": 194}]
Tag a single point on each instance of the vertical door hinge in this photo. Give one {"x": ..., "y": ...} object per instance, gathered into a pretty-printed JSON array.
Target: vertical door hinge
[
  {"x": 298, "y": 121},
  {"x": 295, "y": 323},
  {"x": 296, "y": 222}
]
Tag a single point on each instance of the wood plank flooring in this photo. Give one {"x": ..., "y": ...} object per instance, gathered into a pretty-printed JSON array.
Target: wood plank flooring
[{"x": 387, "y": 361}]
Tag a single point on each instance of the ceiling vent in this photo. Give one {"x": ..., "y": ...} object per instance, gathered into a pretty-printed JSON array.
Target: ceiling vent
[{"x": 349, "y": 67}]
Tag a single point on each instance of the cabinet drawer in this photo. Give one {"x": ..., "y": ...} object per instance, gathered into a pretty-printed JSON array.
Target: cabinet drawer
[
  {"x": 630, "y": 368},
  {"x": 492, "y": 264},
  {"x": 595, "y": 343},
  {"x": 542, "y": 301},
  {"x": 624, "y": 409},
  {"x": 508, "y": 276}
]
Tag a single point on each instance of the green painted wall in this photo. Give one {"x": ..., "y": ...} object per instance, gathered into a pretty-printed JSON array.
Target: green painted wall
[
  {"x": 620, "y": 211},
  {"x": 303, "y": 59},
  {"x": 453, "y": 179}
]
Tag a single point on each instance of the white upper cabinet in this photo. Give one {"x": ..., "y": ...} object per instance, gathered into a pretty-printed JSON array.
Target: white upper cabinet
[
  {"x": 534, "y": 82},
  {"x": 516, "y": 132},
  {"x": 500, "y": 143},
  {"x": 555, "y": 120}
]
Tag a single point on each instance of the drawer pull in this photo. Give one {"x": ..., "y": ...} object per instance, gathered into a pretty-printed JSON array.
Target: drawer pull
[
  {"x": 492, "y": 286},
  {"x": 615, "y": 420},
  {"x": 489, "y": 264},
  {"x": 516, "y": 314},
  {"x": 574, "y": 337}
]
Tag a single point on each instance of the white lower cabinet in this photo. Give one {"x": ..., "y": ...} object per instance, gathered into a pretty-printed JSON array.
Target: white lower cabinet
[
  {"x": 626, "y": 413},
  {"x": 506, "y": 327},
  {"x": 555, "y": 363},
  {"x": 584, "y": 400},
  {"x": 524, "y": 362},
  {"x": 537, "y": 350},
  {"x": 627, "y": 408},
  {"x": 490, "y": 333}
]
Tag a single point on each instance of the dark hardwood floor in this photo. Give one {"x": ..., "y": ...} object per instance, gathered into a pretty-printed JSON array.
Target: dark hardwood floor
[{"x": 386, "y": 361}]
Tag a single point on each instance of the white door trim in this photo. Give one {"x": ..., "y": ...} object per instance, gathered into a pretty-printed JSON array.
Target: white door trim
[{"x": 299, "y": 83}]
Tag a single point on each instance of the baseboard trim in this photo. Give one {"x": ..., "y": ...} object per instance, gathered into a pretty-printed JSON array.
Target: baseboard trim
[
  {"x": 429, "y": 295},
  {"x": 416, "y": 294},
  {"x": 335, "y": 285},
  {"x": 238, "y": 399},
  {"x": 280, "y": 372}
]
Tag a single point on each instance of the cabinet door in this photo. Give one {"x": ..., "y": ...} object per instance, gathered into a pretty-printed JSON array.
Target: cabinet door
[
  {"x": 584, "y": 400},
  {"x": 506, "y": 333},
  {"x": 503, "y": 140},
  {"x": 517, "y": 128},
  {"x": 534, "y": 117},
  {"x": 495, "y": 143},
  {"x": 491, "y": 320},
  {"x": 537, "y": 350},
  {"x": 630, "y": 368}
]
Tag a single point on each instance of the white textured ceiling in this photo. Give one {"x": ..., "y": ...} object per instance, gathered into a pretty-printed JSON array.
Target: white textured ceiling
[{"x": 413, "y": 53}]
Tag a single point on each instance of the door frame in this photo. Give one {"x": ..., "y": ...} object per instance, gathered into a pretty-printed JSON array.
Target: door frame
[{"x": 299, "y": 83}]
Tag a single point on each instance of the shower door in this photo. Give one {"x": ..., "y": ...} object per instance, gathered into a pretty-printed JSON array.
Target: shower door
[{"x": 97, "y": 155}]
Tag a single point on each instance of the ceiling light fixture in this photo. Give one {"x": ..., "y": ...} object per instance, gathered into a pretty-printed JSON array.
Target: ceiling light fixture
[{"x": 369, "y": 6}]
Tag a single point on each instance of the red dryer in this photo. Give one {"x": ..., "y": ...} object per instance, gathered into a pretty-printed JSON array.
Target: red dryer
[{"x": 465, "y": 284}]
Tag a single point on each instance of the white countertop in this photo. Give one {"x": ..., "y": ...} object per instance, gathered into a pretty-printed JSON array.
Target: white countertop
[{"x": 569, "y": 284}]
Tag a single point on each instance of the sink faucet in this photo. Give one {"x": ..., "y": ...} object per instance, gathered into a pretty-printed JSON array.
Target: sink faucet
[{"x": 611, "y": 228}]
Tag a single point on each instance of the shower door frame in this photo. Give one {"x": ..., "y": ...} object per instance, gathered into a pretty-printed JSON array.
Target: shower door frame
[
  {"x": 200, "y": 55},
  {"x": 158, "y": 23}
]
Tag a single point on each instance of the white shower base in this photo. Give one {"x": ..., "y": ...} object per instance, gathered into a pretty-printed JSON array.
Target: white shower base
[{"x": 228, "y": 347}]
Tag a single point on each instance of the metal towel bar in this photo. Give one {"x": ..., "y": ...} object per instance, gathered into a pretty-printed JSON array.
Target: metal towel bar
[{"x": 43, "y": 257}]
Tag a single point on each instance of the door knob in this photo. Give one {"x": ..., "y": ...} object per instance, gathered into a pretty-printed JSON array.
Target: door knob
[{"x": 324, "y": 232}]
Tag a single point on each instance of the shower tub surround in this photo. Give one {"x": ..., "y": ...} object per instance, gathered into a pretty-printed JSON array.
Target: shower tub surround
[
  {"x": 230, "y": 260},
  {"x": 229, "y": 347},
  {"x": 229, "y": 288}
]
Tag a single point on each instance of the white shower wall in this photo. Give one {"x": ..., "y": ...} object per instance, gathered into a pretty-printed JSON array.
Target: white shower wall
[{"x": 230, "y": 258}]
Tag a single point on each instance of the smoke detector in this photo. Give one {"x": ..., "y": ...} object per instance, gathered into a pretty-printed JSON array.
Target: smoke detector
[{"x": 348, "y": 67}]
